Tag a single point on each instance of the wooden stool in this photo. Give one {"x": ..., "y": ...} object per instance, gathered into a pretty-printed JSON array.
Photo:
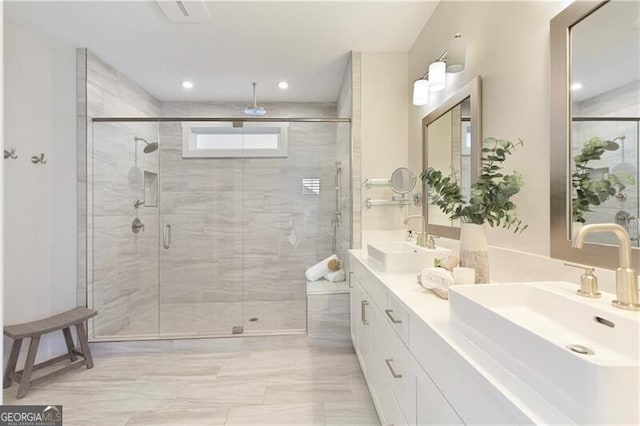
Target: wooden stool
[{"x": 34, "y": 330}]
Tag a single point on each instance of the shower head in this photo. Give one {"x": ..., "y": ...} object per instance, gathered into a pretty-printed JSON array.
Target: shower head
[
  {"x": 255, "y": 109},
  {"x": 150, "y": 146}
]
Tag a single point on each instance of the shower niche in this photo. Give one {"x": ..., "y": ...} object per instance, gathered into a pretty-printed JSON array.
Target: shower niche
[
  {"x": 150, "y": 189},
  {"x": 215, "y": 255}
]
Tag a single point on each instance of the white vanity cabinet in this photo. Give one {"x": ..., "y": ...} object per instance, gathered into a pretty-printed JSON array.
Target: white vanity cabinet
[
  {"x": 402, "y": 391},
  {"x": 360, "y": 322}
]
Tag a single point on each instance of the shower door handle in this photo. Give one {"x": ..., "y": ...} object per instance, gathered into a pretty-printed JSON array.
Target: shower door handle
[{"x": 166, "y": 236}]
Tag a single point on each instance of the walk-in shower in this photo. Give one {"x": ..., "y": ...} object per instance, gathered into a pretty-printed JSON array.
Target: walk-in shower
[{"x": 229, "y": 227}]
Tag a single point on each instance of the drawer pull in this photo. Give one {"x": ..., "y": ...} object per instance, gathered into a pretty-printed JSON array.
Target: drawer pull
[
  {"x": 393, "y": 372},
  {"x": 393, "y": 320},
  {"x": 363, "y": 314}
]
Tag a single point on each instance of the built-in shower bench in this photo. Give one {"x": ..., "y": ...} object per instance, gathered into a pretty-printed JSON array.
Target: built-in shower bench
[{"x": 34, "y": 330}]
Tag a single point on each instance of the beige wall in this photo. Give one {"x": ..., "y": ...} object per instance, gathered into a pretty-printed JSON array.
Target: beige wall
[
  {"x": 508, "y": 45},
  {"x": 384, "y": 101},
  {"x": 39, "y": 200}
]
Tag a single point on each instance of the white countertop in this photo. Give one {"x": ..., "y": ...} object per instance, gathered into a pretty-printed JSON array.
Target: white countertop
[{"x": 434, "y": 312}]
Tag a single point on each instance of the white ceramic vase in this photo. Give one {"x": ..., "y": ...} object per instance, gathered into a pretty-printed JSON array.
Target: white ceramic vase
[
  {"x": 474, "y": 250},
  {"x": 575, "y": 228}
]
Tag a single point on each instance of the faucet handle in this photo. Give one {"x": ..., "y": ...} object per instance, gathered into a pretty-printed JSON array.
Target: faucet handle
[
  {"x": 588, "y": 281},
  {"x": 431, "y": 244},
  {"x": 421, "y": 240}
]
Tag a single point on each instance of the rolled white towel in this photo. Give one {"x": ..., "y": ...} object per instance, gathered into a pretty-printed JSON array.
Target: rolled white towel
[
  {"x": 320, "y": 269},
  {"x": 335, "y": 276},
  {"x": 436, "y": 278}
]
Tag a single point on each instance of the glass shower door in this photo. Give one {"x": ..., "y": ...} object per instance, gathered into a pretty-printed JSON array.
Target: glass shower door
[{"x": 201, "y": 210}]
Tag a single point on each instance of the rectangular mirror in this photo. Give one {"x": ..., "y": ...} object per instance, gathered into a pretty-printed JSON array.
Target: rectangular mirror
[
  {"x": 595, "y": 125},
  {"x": 451, "y": 143}
]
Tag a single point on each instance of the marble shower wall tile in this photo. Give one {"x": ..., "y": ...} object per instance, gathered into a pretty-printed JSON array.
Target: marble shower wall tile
[{"x": 122, "y": 267}]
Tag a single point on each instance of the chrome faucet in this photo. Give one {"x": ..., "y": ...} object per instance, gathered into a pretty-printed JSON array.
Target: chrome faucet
[
  {"x": 626, "y": 276},
  {"x": 422, "y": 237}
]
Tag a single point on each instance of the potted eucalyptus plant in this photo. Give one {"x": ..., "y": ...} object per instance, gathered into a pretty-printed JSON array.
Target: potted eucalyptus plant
[
  {"x": 489, "y": 203},
  {"x": 588, "y": 191}
]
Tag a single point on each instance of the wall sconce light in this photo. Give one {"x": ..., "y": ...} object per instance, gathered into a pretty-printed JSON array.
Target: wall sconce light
[
  {"x": 451, "y": 60},
  {"x": 437, "y": 76},
  {"x": 420, "y": 92}
]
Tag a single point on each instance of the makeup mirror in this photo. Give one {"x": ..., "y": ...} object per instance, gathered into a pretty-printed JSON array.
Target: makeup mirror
[{"x": 402, "y": 180}]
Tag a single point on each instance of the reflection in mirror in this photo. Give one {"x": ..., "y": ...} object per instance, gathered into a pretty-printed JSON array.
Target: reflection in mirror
[
  {"x": 452, "y": 138},
  {"x": 402, "y": 180},
  {"x": 605, "y": 112},
  {"x": 449, "y": 149},
  {"x": 595, "y": 126}
]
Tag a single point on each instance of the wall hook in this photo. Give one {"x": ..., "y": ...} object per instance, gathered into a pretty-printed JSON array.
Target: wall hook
[
  {"x": 35, "y": 159},
  {"x": 10, "y": 154}
]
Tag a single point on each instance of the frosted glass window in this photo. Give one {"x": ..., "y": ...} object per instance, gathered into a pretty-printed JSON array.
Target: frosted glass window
[{"x": 203, "y": 141}]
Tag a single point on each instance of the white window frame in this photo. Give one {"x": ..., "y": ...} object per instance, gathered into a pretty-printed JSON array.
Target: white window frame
[{"x": 190, "y": 131}]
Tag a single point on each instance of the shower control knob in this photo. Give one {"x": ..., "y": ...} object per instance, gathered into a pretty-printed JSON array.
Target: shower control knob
[{"x": 137, "y": 225}]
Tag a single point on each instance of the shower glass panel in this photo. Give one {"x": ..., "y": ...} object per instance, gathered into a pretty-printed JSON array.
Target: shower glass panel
[
  {"x": 122, "y": 264},
  {"x": 225, "y": 241}
]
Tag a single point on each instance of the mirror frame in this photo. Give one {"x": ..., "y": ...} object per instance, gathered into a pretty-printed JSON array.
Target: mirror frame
[
  {"x": 473, "y": 91},
  {"x": 593, "y": 254}
]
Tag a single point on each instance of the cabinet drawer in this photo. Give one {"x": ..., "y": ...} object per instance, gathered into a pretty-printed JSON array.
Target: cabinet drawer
[
  {"x": 394, "y": 415},
  {"x": 398, "y": 317},
  {"x": 376, "y": 291},
  {"x": 397, "y": 368},
  {"x": 370, "y": 284},
  {"x": 432, "y": 407}
]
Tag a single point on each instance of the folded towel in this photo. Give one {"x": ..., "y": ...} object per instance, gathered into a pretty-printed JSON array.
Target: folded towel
[
  {"x": 335, "y": 276},
  {"x": 436, "y": 278},
  {"x": 319, "y": 270}
]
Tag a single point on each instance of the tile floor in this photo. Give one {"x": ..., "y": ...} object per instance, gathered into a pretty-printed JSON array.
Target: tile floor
[{"x": 273, "y": 380}]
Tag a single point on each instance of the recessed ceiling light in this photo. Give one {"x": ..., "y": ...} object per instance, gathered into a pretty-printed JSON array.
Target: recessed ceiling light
[
  {"x": 186, "y": 84},
  {"x": 283, "y": 85},
  {"x": 576, "y": 86}
]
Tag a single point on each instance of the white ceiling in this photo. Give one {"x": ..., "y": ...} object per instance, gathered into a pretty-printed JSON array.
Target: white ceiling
[{"x": 306, "y": 43}]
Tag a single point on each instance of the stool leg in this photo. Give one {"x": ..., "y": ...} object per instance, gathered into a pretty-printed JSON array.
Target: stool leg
[
  {"x": 69, "y": 341},
  {"x": 11, "y": 364},
  {"x": 28, "y": 367},
  {"x": 84, "y": 344}
]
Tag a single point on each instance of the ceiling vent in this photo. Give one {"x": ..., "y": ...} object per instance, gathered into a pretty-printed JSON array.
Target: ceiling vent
[{"x": 185, "y": 12}]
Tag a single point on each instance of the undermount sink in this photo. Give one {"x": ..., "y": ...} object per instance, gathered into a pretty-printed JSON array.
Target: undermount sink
[
  {"x": 400, "y": 256},
  {"x": 582, "y": 355}
]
